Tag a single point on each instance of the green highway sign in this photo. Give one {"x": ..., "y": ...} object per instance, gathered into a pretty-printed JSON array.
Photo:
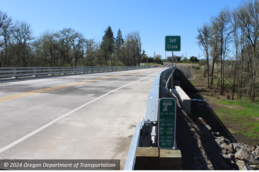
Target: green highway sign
[
  {"x": 173, "y": 43},
  {"x": 166, "y": 123}
]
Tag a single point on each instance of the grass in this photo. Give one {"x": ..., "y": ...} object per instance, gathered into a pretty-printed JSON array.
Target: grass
[
  {"x": 152, "y": 64},
  {"x": 244, "y": 113}
]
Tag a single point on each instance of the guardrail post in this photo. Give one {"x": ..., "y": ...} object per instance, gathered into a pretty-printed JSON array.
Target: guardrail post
[
  {"x": 63, "y": 71},
  {"x": 82, "y": 69},
  {"x": 90, "y": 69},
  {"x": 146, "y": 134},
  {"x": 14, "y": 73},
  {"x": 34, "y": 72},
  {"x": 50, "y": 71}
]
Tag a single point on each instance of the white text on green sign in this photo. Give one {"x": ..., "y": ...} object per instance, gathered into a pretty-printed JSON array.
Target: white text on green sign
[
  {"x": 172, "y": 43},
  {"x": 166, "y": 123}
]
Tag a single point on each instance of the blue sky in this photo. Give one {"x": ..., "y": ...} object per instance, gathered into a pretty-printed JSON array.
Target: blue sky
[{"x": 153, "y": 19}]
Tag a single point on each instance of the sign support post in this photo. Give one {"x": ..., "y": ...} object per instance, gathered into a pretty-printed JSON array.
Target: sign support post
[
  {"x": 172, "y": 77},
  {"x": 172, "y": 43}
]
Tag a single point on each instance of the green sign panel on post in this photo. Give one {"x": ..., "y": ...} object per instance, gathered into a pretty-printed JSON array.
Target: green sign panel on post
[
  {"x": 172, "y": 43},
  {"x": 167, "y": 123}
]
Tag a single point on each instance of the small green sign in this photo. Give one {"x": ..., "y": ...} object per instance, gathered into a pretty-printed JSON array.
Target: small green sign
[
  {"x": 166, "y": 123},
  {"x": 172, "y": 43}
]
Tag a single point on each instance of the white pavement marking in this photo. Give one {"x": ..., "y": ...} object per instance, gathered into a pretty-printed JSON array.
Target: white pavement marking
[{"x": 57, "y": 119}]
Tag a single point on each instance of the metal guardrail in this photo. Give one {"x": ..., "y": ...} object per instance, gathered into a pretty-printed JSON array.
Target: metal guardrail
[
  {"x": 15, "y": 72},
  {"x": 157, "y": 91}
]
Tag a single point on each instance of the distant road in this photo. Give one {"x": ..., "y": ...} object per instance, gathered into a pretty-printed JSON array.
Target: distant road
[{"x": 89, "y": 116}]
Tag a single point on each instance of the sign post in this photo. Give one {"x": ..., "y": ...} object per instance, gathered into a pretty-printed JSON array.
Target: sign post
[
  {"x": 172, "y": 43},
  {"x": 167, "y": 123}
]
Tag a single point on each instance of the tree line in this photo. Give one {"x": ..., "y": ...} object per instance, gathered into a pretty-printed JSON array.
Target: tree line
[
  {"x": 67, "y": 47},
  {"x": 233, "y": 32}
]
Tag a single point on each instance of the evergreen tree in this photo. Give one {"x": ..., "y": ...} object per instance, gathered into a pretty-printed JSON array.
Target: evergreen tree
[
  {"x": 107, "y": 45},
  {"x": 119, "y": 41}
]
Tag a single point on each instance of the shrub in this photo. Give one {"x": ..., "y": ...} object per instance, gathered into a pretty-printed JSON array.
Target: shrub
[{"x": 202, "y": 62}]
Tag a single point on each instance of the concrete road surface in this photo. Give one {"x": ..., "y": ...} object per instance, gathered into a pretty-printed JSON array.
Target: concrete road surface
[{"x": 89, "y": 116}]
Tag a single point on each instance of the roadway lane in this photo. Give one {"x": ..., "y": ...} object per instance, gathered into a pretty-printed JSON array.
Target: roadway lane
[{"x": 90, "y": 116}]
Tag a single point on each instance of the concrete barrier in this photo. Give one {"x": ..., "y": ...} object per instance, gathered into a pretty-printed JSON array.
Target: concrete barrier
[{"x": 184, "y": 99}]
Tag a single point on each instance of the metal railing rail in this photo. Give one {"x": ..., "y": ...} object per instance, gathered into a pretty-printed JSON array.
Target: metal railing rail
[
  {"x": 157, "y": 91},
  {"x": 16, "y": 72}
]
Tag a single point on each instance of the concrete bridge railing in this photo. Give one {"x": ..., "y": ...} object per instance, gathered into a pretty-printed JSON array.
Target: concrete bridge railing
[{"x": 16, "y": 72}]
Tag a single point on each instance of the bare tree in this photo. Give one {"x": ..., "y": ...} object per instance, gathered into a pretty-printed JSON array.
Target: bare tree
[
  {"x": 70, "y": 45},
  {"x": 221, "y": 25},
  {"x": 22, "y": 37},
  {"x": 45, "y": 53},
  {"x": 236, "y": 42},
  {"x": 6, "y": 27},
  {"x": 204, "y": 41},
  {"x": 90, "y": 54},
  {"x": 130, "y": 51},
  {"x": 248, "y": 21},
  {"x": 214, "y": 52},
  {"x": 77, "y": 46}
]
